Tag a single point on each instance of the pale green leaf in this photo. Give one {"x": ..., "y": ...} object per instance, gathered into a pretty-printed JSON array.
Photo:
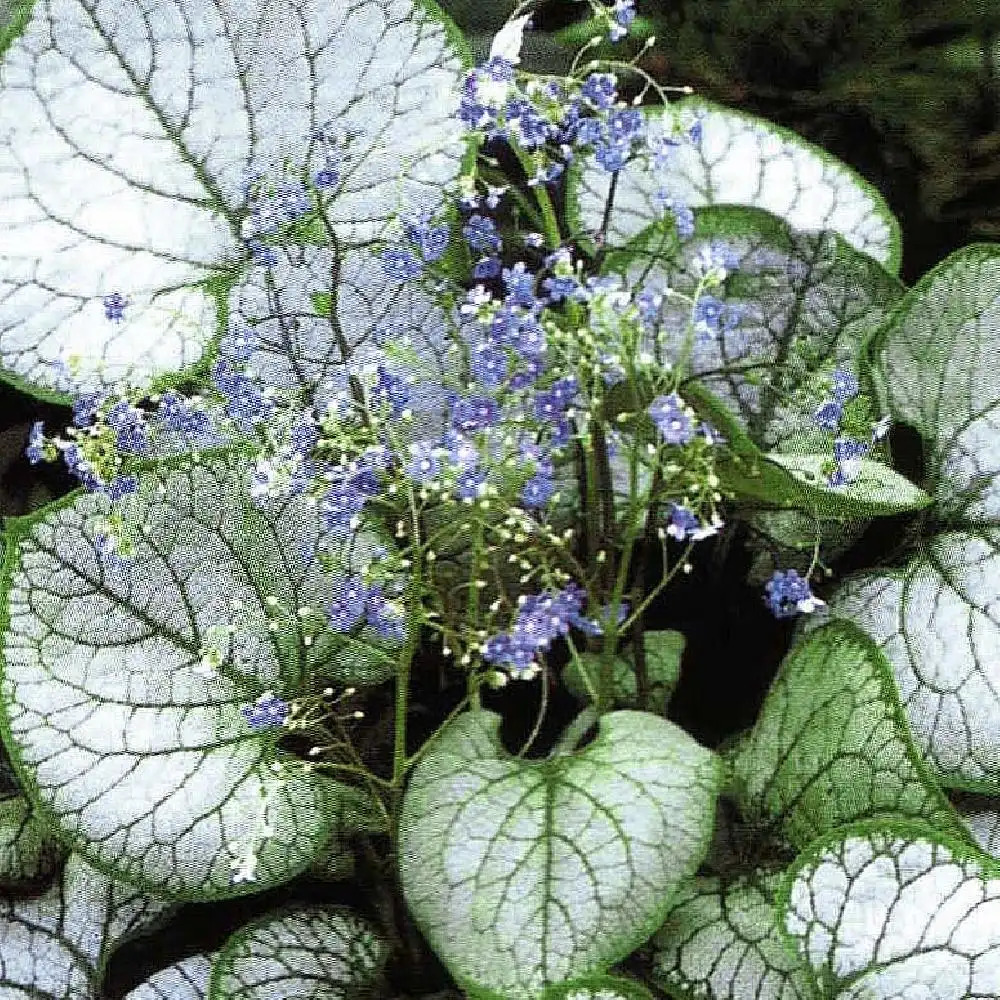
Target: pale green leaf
[
  {"x": 127, "y": 132},
  {"x": 876, "y": 490},
  {"x": 831, "y": 744},
  {"x": 936, "y": 622},
  {"x": 522, "y": 874},
  {"x": 54, "y": 946},
  {"x": 935, "y": 358}
]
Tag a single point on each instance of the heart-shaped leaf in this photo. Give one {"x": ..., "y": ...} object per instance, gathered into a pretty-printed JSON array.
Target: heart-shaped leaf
[
  {"x": 55, "y": 946},
  {"x": 522, "y": 874},
  {"x": 184, "y": 980},
  {"x": 663, "y": 649},
  {"x": 721, "y": 941},
  {"x": 831, "y": 744},
  {"x": 321, "y": 952},
  {"x": 794, "y": 301},
  {"x": 936, "y": 617},
  {"x": 885, "y": 912},
  {"x": 129, "y": 743},
  {"x": 128, "y": 131},
  {"x": 741, "y": 160}
]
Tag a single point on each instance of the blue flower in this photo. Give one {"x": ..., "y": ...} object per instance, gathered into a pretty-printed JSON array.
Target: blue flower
[
  {"x": 130, "y": 428},
  {"x": 341, "y": 504},
  {"x": 625, "y": 124},
  {"x": 474, "y": 413},
  {"x": 175, "y": 414},
  {"x": 488, "y": 366},
  {"x": 707, "y": 312},
  {"x": 671, "y": 421},
  {"x": 845, "y": 385},
  {"x": 268, "y": 710},
  {"x": 245, "y": 401},
  {"x": 384, "y": 616},
  {"x": 85, "y": 408},
  {"x": 391, "y": 390},
  {"x": 611, "y": 156},
  {"x": 600, "y": 89},
  {"x": 487, "y": 268},
  {"x": 682, "y": 522},
  {"x": 120, "y": 486},
  {"x": 431, "y": 241},
  {"x": 114, "y": 307},
  {"x": 328, "y": 176},
  {"x": 78, "y": 465},
  {"x": 293, "y": 200},
  {"x": 471, "y": 484},
  {"x": 530, "y": 128},
  {"x": 788, "y": 594},
  {"x": 560, "y": 287},
  {"x": 624, "y": 12},
  {"x": 537, "y": 491},
  {"x": 828, "y": 415},
  {"x": 348, "y": 605},
  {"x": 480, "y": 233},
  {"x": 520, "y": 285},
  {"x": 423, "y": 465},
  {"x": 263, "y": 255},
  {"x": 400, "y": 264},
  {"x": 36, "y": 443}
]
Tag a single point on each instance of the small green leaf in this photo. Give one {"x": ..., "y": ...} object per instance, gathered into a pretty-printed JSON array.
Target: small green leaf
[
  {"x": 877, "y": 490},
  {"x": 664, "y": 650},
  {"x": 526, "y": 873},
  {"x": 321, "y": 952},
  {"x": 831, "y": 744}
]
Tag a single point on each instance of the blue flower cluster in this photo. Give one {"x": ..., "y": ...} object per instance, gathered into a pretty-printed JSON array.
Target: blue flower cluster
[
  {"x": 788, "y": 594},
  {"x": 268, "y": 710},
  {"x": 354, "y": 602},
  {"x": 847, "y": 451},
  {"x": 542, "y": 618}
]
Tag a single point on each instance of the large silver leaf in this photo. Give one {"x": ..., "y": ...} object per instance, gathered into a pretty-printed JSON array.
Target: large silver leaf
[
  {"x": 125, "y": 741},
  {"x": 127, "y": 133}
]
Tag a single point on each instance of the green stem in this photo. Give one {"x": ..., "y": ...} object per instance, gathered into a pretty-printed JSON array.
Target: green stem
[
  {"x": 550, "y": 221},
  {"x": 412, "y": 639}
]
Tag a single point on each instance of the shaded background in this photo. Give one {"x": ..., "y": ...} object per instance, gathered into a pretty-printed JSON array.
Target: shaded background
[{"x": 906, "y": 92}]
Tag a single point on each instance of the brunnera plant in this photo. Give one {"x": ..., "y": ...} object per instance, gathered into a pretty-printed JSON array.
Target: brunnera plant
[{"x": 371, "y": 351}]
